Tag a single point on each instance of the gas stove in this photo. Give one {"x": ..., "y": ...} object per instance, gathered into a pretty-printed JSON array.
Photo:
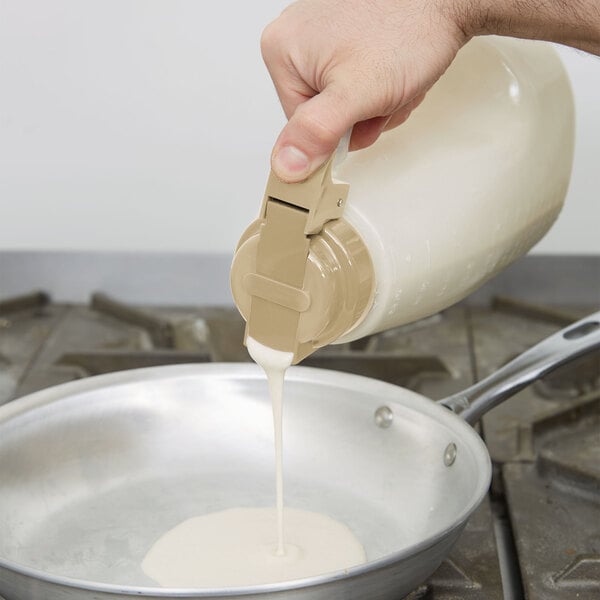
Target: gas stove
[{"x": 536, "y": 536}]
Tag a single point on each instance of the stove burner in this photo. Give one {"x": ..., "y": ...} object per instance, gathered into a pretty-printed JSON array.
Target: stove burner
[
  {"x": 545, "y": 445},
  {"x": 97, "y": 362},
  {"x": 386, "y": 366},
  {"x": 573, "y": 380},
  {"x": 161, "y": 330},
  {"x": 19, "y": 303},
  {"x": 538, "y": 312},
  {"x": 535, "y": 537}
]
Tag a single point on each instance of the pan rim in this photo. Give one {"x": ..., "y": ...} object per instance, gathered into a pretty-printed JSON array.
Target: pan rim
[{"x": 41, "y": 398}]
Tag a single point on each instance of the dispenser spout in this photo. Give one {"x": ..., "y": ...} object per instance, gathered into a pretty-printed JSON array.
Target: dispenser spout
[{"x": 291, "y": 213}]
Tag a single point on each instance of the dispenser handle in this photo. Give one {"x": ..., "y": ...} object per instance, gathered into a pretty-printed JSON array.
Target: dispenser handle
[
  {"x": 341, "y": 151},
  {"x": 291, "y": 215}
]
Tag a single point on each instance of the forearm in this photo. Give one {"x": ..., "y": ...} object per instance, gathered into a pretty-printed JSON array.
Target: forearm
[{"x": 572, "y": 22}]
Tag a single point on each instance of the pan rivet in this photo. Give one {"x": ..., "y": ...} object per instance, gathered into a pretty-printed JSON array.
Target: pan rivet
[
  {"x": 450, "y": 454},
  {"x": 384, "y": 417},
  {"x": 340, "y": 202}
]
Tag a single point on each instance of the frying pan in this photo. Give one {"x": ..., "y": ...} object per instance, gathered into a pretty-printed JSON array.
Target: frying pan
[{"x": 93, "y": 472}]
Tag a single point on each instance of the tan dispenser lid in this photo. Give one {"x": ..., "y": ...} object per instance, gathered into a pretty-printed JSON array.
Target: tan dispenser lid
[{"x": 301, "y": 275}]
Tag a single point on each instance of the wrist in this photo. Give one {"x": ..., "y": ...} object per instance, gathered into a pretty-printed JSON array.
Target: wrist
[{"x": 574, "y": 23}]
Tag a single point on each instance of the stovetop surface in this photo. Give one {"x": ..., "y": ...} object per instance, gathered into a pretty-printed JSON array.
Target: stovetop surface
[{"x": 536, "y": 535}]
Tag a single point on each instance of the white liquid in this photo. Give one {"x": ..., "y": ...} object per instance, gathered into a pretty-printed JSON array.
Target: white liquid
[
  {"x": 237, "y": 547},
  {"x": 246, "y": 546},
  {"x": 275, "y": 363}
]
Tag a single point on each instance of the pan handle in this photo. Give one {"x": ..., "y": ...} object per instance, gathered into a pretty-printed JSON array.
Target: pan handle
[{"x": 569, "y": 343}]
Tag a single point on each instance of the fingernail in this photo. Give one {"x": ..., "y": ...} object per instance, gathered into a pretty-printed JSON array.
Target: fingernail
[{"x": 290, "y": 163}]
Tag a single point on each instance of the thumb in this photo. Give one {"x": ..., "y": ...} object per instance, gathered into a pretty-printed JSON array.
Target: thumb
[{"x": 312, "y": 134}]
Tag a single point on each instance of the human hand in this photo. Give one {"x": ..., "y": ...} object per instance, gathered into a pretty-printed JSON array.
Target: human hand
[
  {"x": 368, "y": 63},
  {"x": 342, "y": 63}
]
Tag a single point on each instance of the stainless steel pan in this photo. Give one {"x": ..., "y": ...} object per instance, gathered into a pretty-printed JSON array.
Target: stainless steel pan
[{"x": 92, "y": 472}]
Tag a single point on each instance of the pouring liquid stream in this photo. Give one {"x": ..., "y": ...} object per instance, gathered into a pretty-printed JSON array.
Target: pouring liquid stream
[
  {"x": 235, "y": 546},
  {"x": 275, "y": 363}
]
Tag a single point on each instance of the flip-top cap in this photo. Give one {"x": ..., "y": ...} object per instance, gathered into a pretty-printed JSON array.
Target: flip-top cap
[{"x": 301, "y": 275}]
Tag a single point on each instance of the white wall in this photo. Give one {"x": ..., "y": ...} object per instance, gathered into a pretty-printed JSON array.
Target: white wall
[
  {"x": 147, "y": 125},
  {"x": 577, "y": 230}
]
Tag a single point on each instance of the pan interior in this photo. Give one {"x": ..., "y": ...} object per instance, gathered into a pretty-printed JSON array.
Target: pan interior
[{"x": 94, "y": 472}]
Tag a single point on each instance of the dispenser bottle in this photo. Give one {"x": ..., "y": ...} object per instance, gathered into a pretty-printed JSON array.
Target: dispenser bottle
[{"x": 426, "y": 215}]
